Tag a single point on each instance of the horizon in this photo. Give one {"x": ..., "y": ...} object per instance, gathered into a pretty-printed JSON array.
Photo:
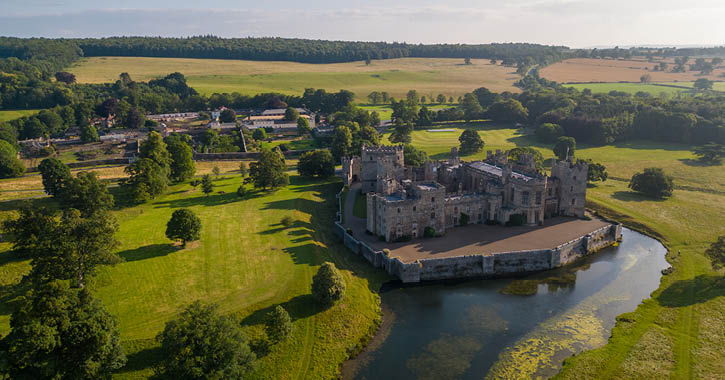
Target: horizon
[{"x": 579, "y": 24}]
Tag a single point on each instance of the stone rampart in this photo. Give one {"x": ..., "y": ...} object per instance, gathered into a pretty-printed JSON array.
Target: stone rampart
[{"x": 483, "y": 266}]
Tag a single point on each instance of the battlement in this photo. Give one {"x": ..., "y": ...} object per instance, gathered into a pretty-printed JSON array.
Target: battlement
[{"x": 384, "y": 149}]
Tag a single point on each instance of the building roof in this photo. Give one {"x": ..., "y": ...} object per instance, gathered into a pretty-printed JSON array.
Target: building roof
[
  {"x": 496, "y": 171},
  {"x": 276, "y": 111}
]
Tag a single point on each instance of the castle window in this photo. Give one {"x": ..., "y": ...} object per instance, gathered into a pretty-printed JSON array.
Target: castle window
[
  {"x": 572, "y": 189},
  {"x": 538, "y": 197},
  {"x": 512, "y": 195},
  {"x": 433, "y": 199},
  {"x": 525, "y": 198},
  {"x": 371, "y": 158},
  {"x": 573, "y": 201},
  {"x": 432, "y": 215},
  {"x": 413, "y": 208},
  {"x": 398, "y": 210},
  {"x": 574, "y": 178}
]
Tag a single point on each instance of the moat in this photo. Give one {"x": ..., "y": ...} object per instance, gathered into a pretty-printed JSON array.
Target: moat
[{"x": 510, "y": 328}]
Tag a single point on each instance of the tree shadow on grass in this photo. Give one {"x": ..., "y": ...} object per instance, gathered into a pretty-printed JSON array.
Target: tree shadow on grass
[
  {"x": 147, "y": 358},
  {"x": 279, "y": 227},
  {"x": 698, "y": 163},
  {"x": 203, "y": 200},
  {"x": 696, "y": 290},
  {"x": 148, "y": 252},
  {"x": 631, "y": 196},
  {"x": 299, "y": 307}
]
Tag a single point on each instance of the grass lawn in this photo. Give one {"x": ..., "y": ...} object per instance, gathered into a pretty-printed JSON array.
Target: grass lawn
[
  {"x": 631, "y": 88},
  {"x": 15, "y": 114},
  {"x": 246, "y": 261},
  {"x": 678, "y": 333},
  {"x": 294, "y": 144},
  {"x": 429, "y": 76},
  {"x": 360, "y": 208},
  {"x": 385, "y": 111}
]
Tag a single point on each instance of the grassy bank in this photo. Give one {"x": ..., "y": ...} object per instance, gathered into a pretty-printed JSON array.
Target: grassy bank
[
  {"x": 246, "y": 261},
  {"x": 430, "y": 76}
]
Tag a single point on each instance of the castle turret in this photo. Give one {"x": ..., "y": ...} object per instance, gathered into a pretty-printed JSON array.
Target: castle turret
[{"x": 572, "y": 186}]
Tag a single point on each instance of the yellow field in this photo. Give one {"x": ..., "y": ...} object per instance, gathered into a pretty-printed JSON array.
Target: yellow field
[{"x": 429, "y": 76}]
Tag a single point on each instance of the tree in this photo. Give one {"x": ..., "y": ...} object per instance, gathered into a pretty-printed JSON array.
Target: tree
[
  {"x": 317, "y": 163},
  {"x": 414, "y": 157},
  {"x": 216, "y": 171},
  {"x": 61, "y": 333},
  {"x": 485, "y": 97},
  {"x": 10, "y": 165},
  {"x": 201, "y": 344},
  {"x": 146, "y": 180},
  {"x": 184, "y": 225},
  {"x": 243, "y": 169},
  {"x": 328, "y": 286},
  {"x": 182, "y": 165},
  {"x": 716, "y": 61},
  {"x": 471, "y": 142},
  {"x": 702, "y": 84},
  {"x": 596, "y": 172},
  {"x": 711, "y": 153},
  {"x": 564, "y": 147},
  {"x": 259, "y": 134},
  {"x": 207, "y": 186},
  {"x": 549, "y": 132},
  {"x": 278, "y": 324},
  {"x": 646, "y": 78},
  {"x": 471, "y": 108},
  {"x": 385, "y": 96},
  {"x": 441, "y": 99},
  {"x": 291, "y": 114},
  {"x": 133, "y": 119},
  {"x": 425, "y": 117},
  {"x": 268, "y": 171},
  {"x": 716, "y": 252},
  {"x": 652, "y": 182},
  {"x": 303, "y": 126},
  {"x": 89, "y": 133},
  {"x": 55, "y": 174},
  {"x": 87, "y": 194},
  {"x": 401, "y": 133},
  {"x": 508, "y": 110},
  {"x": 341, "y": 142},
  {"x": 65, "y": 77},
  {"x": 227, "y": 116},
  {"x": 374, "y": 97},
  {"x": 514, "y": 155},
  {"x": 374, "y": 119},
  {"x": 154, "y": 148}
]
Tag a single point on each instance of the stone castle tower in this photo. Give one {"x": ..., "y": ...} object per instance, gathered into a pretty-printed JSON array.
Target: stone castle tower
[
  {"x": 378, "y": 161},
  {"x": 572, "y": 186}
]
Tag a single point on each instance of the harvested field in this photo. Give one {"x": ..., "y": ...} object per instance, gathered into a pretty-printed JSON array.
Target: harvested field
[{"x": 608, "y": 70}]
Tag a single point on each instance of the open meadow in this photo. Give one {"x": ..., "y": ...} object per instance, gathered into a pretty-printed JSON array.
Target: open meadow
[
  {"x": 429, "y": 76},
  {"x": 15, "y": 114},
  {"x": 577, "y": 70},
  {"x": 246, "y": 261},
  {"x": 678, "y": 332}
]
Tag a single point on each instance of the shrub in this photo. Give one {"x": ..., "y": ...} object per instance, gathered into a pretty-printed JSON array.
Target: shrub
[
  {"x": 386, "y": 252},
  {"x": 278, "y": 325},
  {"x": 549, "y": 132},
  {"x": 242, "y": 191},
  {"x": 328, "y": 286},
  {"x": 261, "y": 346},
  {"x": 318, "y": 163},
  {"x": 349, "y": 231},
  {"x": 564, "y": 146},
  {"x": 287, "y": 221},
  {"x": 429, "y": 232},
  {"x": 284, "y": 147}
]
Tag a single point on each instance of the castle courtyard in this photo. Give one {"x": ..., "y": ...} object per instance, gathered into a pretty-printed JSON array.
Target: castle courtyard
[{"x": 475, "y": 239}]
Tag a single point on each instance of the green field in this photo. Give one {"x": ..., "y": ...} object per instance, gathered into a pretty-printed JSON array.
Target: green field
[
  {"x": 631, "y": 88},
  {"x": 429, "y": 76},
  {"x": 246, "y": 261},
  {"x": 294, "y": 144},
  {"x": 679, "y": 332},
  {"x": 385, "y": 111},
  {"x": 15, "y": 114}
]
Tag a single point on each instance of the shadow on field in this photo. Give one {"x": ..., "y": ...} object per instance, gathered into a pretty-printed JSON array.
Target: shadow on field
[
  {"x": 148, "y": 252},
  {"x": 143, "y": 359},
  {"x": 299, "y": 307},
  {"x": 631, "y": 196},
  {"x": 689, "y": 292},
  {"x": 204, "y": 200},
  {"x": 700, "y": 163},
  {"x": 279, "y": 227}
]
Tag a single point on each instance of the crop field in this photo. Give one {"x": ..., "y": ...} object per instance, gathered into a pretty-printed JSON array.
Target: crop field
[
  {"x": 429, "y": 76},
  {"x": 678, "y": 332},
  {"x": 15, "y": 114},
  {"x": 578, "y": 70},
  {"x": 243, "y": 251}
]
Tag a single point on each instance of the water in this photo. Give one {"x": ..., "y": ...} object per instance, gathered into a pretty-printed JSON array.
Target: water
[{"x": 512, "y": 328}]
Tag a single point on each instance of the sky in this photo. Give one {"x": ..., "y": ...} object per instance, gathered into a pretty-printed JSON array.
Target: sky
[{"x": 573, "y": 23}]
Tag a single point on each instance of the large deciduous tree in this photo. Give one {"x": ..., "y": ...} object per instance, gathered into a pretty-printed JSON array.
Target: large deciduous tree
[
  {"x": 184, "y": 225},
  {"x": 402, "y": 132},
  {"x": 268, "y": 171},
  {"x": 61, "y": 333},
  {"x": 291, "y": 114},
  {"x": 652, "y": 182},
  {"x": 471, "y": 108},
  {"x": 201, "y": 344},
  {"x": 564, "y": 147},
  {"x": 10, "y": 165},
  {"x": 341, "y": 142},
  {"x": 414, "y": 157},
  {"x": 317, "y": 163},
  {"x": 471, "y": 142},
  {"x": 278, "y": 324},
  {"x": 87, "y": 194},
  {"x": 182, "y": 159},
  {"x": 227, "y": 116},
  {"x": 549, "y": 132},
  {"x": 56, "y": 176},
  {"x": 146, "y": 180}
]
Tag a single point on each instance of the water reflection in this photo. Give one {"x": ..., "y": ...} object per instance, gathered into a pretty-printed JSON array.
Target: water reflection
[{"x": 520, "y": 328}]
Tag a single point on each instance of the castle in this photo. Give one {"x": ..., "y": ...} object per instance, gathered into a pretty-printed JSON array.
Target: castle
[{"x": 406, "y": 202}]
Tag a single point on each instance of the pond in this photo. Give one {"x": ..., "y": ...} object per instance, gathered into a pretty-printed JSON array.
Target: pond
[{"x": 510, "y": 328}]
